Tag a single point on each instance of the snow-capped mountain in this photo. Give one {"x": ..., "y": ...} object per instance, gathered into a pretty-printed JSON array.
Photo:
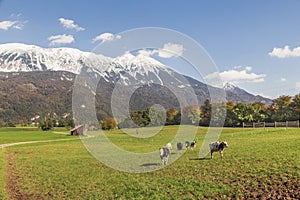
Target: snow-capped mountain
[
  {"x": 16, "y": 57},
  {"x": 236, "y": 94},
  {"x": 128, "y": 69},
  {"x": 41, "y": 80},
  {"x": 229, "y": 86}
]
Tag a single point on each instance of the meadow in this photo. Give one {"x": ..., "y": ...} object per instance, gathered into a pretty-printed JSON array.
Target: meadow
[{"x": 259, "y": 163}]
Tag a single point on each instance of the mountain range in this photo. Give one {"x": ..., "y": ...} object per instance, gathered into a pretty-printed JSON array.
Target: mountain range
[{"x": 35, "y": 81}]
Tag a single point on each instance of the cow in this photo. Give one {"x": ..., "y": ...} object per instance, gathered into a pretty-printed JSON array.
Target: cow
[
  {"x": 191, "y": 145},
  {"x": 169, "y": 146},
  {"x": 179, "y": 147},
  {"x": 217, "y": 147},
  {"x": 187, "y": 144},
  {"x": 164, "y": 155}
]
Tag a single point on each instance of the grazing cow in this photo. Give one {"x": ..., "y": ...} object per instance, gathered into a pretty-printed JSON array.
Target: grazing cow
[
  {"x": 164, "y": 155},
  {"x": 179, "y": 147},
  {"x": 193, "y": 144},
  {"x": 169, "y": 146},
  {"x": 190, "y": 144},
  {"x": 187, "y": 144},
  {"x": 217, "y": 146}
]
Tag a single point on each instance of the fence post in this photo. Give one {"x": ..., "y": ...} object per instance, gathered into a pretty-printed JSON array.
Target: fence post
[
  {"x": 275, "y": 124},
  {"x": 298, "y": 123}
]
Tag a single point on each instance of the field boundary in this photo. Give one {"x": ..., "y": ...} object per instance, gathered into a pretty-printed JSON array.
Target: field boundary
[
  {"x": 33, "y": 142},
  {"x": 286, "y": 124}
]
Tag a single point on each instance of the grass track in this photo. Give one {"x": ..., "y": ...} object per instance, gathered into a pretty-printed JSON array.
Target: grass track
[
  {"x": 257, "y": 163},
  {"x": 12, "y": 135}
]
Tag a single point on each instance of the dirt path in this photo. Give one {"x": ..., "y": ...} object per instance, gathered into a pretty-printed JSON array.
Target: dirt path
[
  {"x": 43, "y": 141},
  {"x": 12, "y": 177},
  {"x": 32, "y": 142}
]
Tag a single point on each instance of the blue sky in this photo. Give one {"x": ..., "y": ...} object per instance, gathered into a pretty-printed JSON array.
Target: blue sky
[{"x": 240, "y": 36}]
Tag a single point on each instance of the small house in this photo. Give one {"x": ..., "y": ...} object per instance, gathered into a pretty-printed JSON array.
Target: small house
[{"x": 78, "y": 130}]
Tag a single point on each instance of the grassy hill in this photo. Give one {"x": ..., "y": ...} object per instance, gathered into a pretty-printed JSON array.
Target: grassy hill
[{"x": 259, "y": 163}]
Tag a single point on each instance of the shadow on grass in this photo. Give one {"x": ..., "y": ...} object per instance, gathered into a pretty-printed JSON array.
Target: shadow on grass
[
  {"x": 150, "y": 164},
  {"x": 200, "y": 159}
]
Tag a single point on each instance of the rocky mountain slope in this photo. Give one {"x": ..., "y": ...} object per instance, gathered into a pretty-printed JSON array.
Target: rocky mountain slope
[{"x": 35, "y": 80}]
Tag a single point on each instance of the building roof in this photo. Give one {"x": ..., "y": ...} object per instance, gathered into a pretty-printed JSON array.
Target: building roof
[{"x": 76, "y": 127}]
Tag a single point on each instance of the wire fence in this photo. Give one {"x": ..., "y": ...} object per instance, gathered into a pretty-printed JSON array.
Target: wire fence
[{"x": 286, "y": 124}]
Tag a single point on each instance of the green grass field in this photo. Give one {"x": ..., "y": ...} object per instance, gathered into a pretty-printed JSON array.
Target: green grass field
[
  {"x": 12, "y": 135},
  {"x": 257, "y": 164}
]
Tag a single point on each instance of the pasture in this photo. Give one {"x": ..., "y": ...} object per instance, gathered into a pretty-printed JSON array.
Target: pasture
[{"x": 259, "y": 163}]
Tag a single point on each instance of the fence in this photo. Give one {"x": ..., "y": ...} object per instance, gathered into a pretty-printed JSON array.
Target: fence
[{"x": 287, "y": 124}]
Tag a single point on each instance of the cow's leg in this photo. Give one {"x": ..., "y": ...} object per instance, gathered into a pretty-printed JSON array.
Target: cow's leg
[
  {"x": 221, "y": 154},
  {"x": 211, "y": 154}
]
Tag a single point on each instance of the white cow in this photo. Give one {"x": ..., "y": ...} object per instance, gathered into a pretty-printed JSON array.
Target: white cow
[
  {"x": 169, "y": 146},
  {"x": 217, "y": 147},
  {"x": 164, "y": 155}
]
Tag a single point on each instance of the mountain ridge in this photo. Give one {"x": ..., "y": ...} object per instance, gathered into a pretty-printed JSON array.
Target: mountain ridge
[{"x": 26, "y": 69}]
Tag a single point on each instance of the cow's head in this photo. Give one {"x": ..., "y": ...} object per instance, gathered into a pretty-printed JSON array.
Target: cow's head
[{"x": 225, "y": 144}]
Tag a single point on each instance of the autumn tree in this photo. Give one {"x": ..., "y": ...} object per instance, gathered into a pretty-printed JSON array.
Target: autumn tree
[
  {"x": 46, "y": 124},
  {"x": 231, "y": 118},
  {"x": 191, "y": 114},
  {"x": 22, "y": 122},
  {"x": 282, "y": 108},
  {"x": 205, "y": 113},
  {"x": 108, "y": 123},
  {"x": 157, "y": 116},
  {"x": 295, "y": 106},
  {"x": 171, "y": 115}
]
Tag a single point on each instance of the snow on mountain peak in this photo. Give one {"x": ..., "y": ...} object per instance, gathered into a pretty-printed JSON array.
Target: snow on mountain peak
[
  {"x": 16, "y": 57},
  {"x": 129, "y": 59},
  {"x": 229, "y": 86}
]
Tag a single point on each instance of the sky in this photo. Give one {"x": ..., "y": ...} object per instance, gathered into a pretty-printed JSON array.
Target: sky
[{"x": 254, "y": 44}]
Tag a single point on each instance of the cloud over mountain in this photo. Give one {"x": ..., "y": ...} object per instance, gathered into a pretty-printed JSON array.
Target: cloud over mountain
[
  {"x": 106, "y": 37},
  {"x": 60, "y": 39},
  {"x": 239, "y": 74}
]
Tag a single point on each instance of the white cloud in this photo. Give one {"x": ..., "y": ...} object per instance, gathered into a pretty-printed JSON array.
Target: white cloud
[
  {"x": 106, "y": 37},
  {"x": 145, "y": 52},
  {"x": 169, "y": 50},
  {"x": 60, "y": 39},
  {"x": 5, "y": 25},
  {"x": 237, "y": 76},
  {"x": 285, "y": 52},
  {"x": 70, "y": 24},
  {"x": 283, "y": 79},
  {"x": 248, "y": 68},
  {"x": 237, "y": 67}
]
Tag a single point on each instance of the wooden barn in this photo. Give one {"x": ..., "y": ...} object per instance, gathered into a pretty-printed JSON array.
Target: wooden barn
[{"x": 78, "y": 130}]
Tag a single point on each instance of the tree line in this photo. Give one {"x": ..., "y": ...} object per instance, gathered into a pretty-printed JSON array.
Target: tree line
[{"x": 284, "y": 108}]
